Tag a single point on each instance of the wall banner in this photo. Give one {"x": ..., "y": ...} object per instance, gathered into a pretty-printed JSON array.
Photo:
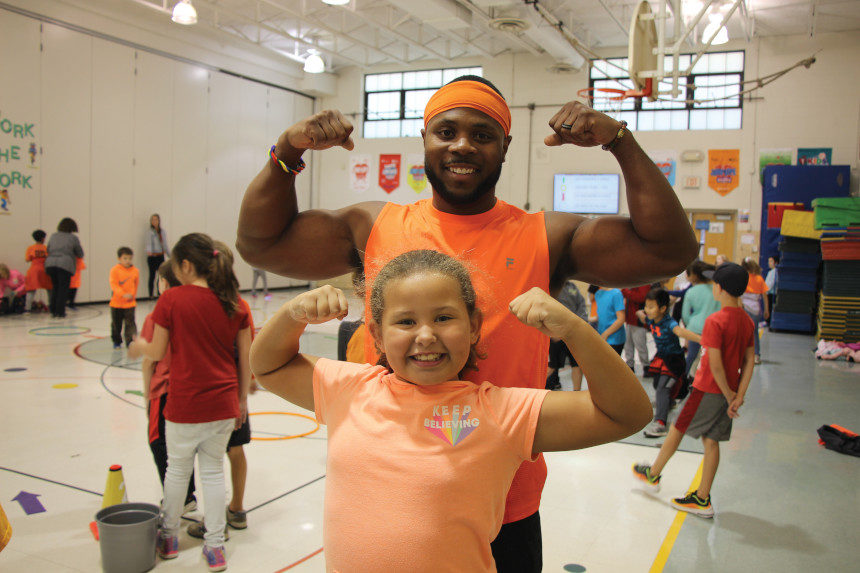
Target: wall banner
[
  {"x": 814, "y": 155},
  {"x": 772, "y": 157},
  {"x": 415, "y": 176},
  {"x": 723, "y": 170},
  {"x": 389, "y": 171},
  {"x": 667, "y": 162},
  {"x": 359, "y": 172}
]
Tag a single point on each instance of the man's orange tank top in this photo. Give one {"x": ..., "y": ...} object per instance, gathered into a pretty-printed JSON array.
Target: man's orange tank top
[{"x": 506, "y": 252}]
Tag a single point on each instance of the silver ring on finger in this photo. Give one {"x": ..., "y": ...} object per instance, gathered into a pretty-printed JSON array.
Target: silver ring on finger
[{"x": 566, "y": 125}]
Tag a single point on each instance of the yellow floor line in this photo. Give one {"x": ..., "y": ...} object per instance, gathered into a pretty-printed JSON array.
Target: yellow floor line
[{"x": 674, "y": 530}]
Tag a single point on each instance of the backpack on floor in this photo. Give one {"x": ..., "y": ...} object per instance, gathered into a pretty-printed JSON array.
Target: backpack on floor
[{"x": 839, "y": 439}]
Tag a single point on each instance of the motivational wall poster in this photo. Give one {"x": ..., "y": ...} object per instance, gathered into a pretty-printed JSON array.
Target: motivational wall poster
[
  {"x": 19, "y": 155},
  {"x": 667, "y": 161},
  {"x": 772, "y": 157},
  {"x": 389, "y": 171},
  {"x": 814, "y": 155},
  {"x": 359, "y": 172},
  {"x": 723, "y": 170},
  {"x": 415, "y": 176}
]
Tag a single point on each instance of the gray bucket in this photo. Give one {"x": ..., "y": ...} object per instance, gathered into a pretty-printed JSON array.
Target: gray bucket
[{"x": 127, "y": 537}]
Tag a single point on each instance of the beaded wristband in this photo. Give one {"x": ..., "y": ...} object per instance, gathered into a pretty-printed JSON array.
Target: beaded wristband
[
  {"x": 615, "y": 141},
  {"x": 284, "y": 166}
]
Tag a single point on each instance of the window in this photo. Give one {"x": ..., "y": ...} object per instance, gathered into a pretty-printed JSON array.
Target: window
[
  {"x": 394, "y": 103},
  {"x": 708, "y": 98}
]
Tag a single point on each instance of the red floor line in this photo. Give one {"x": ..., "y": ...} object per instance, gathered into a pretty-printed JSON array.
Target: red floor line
[{"x": 302, "y": 560}]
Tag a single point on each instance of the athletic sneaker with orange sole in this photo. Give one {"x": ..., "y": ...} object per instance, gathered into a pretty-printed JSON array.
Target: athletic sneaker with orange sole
[
  {"x": 642, "y": 472},
  {"x": 692, "y": 503}
]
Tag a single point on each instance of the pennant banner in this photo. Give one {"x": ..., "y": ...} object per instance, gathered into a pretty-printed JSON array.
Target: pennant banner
[
  {"x": 415, "y": 176},
  {"x": 359, "y": 172},
  {"x": 389, "y": 172},
  {"x": 723, "y": 170},
  {"x": 667, "y": 162}
]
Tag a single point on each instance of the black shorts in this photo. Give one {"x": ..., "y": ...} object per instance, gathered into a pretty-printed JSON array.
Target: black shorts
[
  {"x": 518, "y": 547},
  {"x": 241, "y": 436},
  {"x": 559, "y": 353}
]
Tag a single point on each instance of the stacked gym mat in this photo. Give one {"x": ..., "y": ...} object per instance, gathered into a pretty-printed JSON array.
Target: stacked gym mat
[
  {"x": 839, "y": 309},
  {"x": 794, "y": 309}
]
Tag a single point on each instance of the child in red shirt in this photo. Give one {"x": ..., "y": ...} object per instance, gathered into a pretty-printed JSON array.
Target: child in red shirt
[
  {"x": 155, "y": 386},
  {"x": 201, "y": 323},
  {"x": 721, "y": 383}
]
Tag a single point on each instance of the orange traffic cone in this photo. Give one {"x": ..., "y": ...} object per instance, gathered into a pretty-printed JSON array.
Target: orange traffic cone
[
  {"x": 5, "y": 529},
  {"x": 115, "y": 487}
]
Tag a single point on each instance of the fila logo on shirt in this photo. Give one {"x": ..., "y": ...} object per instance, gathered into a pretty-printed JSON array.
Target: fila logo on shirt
[{"x": 452, "y": 424}]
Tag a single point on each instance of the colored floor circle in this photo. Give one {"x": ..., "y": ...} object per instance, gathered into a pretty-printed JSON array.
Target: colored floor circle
[
  {"x": 574, "y": 568},
  {"x": 15, "y": 369},
  {"x": 64, "y": 386},
  {"x": 277, "y": 438},
  {"x": 58, "y": 330}
]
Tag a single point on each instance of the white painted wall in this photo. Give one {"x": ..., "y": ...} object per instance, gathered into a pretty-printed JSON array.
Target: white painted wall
[
  {"x": 124, "y": 133},
  {"x": 806, "y": 108}
]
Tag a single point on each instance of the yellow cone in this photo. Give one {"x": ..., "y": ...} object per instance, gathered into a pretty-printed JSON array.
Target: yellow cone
[
  {"x": 115, "y": 487},
  {"x": 5, "y": 529}
]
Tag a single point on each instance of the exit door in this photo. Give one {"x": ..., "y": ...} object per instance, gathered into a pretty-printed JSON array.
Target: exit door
[{"x": 716, "y": 234}]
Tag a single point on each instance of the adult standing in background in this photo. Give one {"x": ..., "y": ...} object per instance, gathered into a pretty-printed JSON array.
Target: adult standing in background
[
  {"x": 156, "y": 249},
  {"x": 64, "y": 250}
]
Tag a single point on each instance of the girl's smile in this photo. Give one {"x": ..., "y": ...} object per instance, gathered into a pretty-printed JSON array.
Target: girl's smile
[{"x": 426, "y": 331}]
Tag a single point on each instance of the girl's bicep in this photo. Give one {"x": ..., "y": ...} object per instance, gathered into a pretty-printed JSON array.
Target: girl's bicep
[
  {"x": 571, "y": 421},
  {"x": 294, "y": 381}
]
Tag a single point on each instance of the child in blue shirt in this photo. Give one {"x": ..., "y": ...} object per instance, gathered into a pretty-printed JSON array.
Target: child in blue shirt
[
  {"x": 610, "y": 317},
  {"x": 668, "y": 365}
]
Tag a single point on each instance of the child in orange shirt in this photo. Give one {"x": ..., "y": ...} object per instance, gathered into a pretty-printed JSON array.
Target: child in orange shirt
[
  {"x": 755, "y": 300},
  {"x": 75, "y": 283},
  {"x": 430, "y": 456},
  {"x": 124, "y": 278},
  {"x": 37, "y": 279}
]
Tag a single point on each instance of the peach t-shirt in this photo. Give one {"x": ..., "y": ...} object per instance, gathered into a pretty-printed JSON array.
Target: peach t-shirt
[
  {"x": 417, "y": 475},
  {"x": 506, "y": 252}
]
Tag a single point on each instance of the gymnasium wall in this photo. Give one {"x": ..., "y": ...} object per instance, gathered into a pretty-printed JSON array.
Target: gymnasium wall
[
  {"x": 121, "y": 133},
  {"x": 817, "y": 107}
]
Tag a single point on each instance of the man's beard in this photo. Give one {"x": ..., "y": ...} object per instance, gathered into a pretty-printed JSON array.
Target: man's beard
[{"x": 484, "y": 187}]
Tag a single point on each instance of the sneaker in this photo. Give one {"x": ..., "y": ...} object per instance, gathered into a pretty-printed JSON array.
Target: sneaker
[
  {"x": 643, "y": 474},
  {"x": 167, "y": 546},
  {"x": 656, "y": 429},
  {"x": 757, "y": 359},
  {"x": 692, "y": 503},
  {"x": 198, "y": 530},
  {"x": 237, "y": 519},
  {"x": 215, "y": 558},
  {"x": 267, "y": 297},
  {"x": 117, "y": 346},
  {"x": 190, "y": 506}
]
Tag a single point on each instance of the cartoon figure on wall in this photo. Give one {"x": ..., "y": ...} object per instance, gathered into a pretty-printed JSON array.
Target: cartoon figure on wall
[
  {"x": 4, "y": 202},
  {"x": 32, "y": 153}
]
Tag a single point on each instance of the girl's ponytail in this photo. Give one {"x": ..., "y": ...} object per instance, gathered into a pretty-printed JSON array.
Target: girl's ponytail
[
  {"x": 222, "y": 279},
  {"x": 213, "y": 261}
]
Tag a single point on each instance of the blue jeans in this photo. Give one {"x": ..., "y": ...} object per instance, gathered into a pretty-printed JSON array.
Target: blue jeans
[
  {"x": 692, "y": 351},
  {"x": 756, "y": 318}
]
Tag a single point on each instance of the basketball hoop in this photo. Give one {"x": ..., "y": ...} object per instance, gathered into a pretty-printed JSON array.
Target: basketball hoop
[{"x": 614, "y": 94}]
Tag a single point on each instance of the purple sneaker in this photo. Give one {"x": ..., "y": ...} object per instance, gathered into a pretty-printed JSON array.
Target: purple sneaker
[
  {"x": 215, "y": 558},
  {"x": 167, "y": 546}
]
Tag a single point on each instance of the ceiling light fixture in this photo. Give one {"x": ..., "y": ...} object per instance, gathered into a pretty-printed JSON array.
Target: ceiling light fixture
[
  {"x": 184, "y": 13},
  {"x": 314, "y": 63},
  {"x": 714, "y": 21},
  {"x": 336, "y": 2}
]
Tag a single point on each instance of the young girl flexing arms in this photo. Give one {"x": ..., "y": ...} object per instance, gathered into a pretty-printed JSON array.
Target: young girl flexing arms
[
  {"x": 202, "y": 323},
  {"x": 419, "y": 462}
]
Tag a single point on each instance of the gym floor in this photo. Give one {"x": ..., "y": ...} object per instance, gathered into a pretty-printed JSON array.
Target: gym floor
[{"x": 70, "y": 407}]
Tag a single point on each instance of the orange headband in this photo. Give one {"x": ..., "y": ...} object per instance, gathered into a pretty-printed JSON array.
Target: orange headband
[{"x": 468, "y": 93}]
